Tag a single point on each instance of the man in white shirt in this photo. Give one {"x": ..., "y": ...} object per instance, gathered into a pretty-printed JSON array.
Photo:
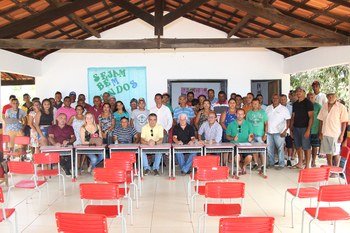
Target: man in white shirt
[
  {"x": 164, "y": 117},
  {"x": 278, "y": 121},
  {"x": 320, "y": 97}
]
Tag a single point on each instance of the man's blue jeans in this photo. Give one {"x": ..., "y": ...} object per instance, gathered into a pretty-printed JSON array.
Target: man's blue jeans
[
  {"x": 185, "y": 166},
  {"x": 156, "y": 163},
  {"x": 275, "y": 140}
]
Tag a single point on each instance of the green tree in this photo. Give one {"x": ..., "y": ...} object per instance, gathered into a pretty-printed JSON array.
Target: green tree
[{"x": 335, "y": 78}]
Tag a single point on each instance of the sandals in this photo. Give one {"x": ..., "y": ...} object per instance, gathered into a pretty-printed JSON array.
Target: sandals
[{"x": 296, "y": 167}]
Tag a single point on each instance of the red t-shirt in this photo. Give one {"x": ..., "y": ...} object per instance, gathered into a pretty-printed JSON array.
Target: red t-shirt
[
  {"x": 7, "y": 106},
  {"x": 96, "y": 112},
  {"x": 61, "y": 134}
]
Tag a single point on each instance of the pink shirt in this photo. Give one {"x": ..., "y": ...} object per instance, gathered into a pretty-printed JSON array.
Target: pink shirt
[
  {"x": 331, "y": 120},
  {"x": 68, "y": 111}
]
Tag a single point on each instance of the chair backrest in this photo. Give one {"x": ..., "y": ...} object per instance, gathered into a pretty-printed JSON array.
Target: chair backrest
[
  {"x": 98, "y": 191},
  {"x": 345, "y": 152},
  {"x": 110, "y": 175},
  {"x": 46, "y": 158},
  {"x": 124, "y": 155},
  {"x": 2, "y": 200},
  {"x": 212, "y": 173},
  {"x": 5, "y": 138},
  {"x": 18, "y": 167},
  {"x": 247, "y": 224},
  {"x": 22, "y": 140},
  {"x": 79, "y": 223},
  {"x": 206, "y": 161},
  {"x": 334, "y": 193},
  {"x": 119, "y": 164},
  {"x": 312, "y": 175},
  {"x": 224, "y": 190}
]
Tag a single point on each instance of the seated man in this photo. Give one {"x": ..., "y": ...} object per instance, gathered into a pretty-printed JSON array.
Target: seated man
[
  {"x": 152, "y": 134},
  {"x": 62, "y": 134},
  {"x": 240, "y": 131},
  {"x": 210, "y": 130},
  {"x": 125, "y": 133},
  {"x": 183, "y": 134}
]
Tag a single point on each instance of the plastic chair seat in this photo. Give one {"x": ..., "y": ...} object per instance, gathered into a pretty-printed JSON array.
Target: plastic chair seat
[
  {"x": 29, "y": 184},
  {"x": 329, "y": 213},
  {"x": 304, "y": 192},
  {"x": 201, "y": 189},
  {"x": 110, "y": 211},
  {"x": 224, "y": 209},
  {"x": 53, "y": 172},
  {"x": 8, "y": 213},
  {"x": 334, "y": 169}
]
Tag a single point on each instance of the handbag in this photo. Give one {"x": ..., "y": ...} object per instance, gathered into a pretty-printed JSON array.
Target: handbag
[{"x": 95, "y": 141}]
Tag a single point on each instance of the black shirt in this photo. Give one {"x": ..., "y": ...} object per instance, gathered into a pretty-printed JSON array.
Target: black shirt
[
  {"x": 300, "y": 110},
  {"x": 183, "y": 135}
]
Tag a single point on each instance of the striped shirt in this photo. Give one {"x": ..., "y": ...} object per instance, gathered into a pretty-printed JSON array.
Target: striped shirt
[
  {"x": 186, "y": 110},
  {"x": 124, "y": 135}
]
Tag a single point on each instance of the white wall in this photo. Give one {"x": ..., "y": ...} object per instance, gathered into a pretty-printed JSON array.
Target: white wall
[
  {"x": 14, "y": 63},
  {"x": 317, "y": 58},
  {"x": 66, "y": 70}
]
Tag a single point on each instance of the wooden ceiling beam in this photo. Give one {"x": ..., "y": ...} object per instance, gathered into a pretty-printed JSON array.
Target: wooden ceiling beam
[
  {"x": 133, "y": 9},
  {"x": 172, "y": 43},
  {"x": 341, "y": 2},
  {"x": 239, "y": 25},
  {"x": 44, "y": 17},
  {"x": 183, "y": 10},
  {"x": 16, "y": 7},
  {"x": 274, "y": 15},
  {"x": 158, "y": 17}
]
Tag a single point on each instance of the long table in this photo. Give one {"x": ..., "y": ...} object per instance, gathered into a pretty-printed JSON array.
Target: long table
[
  {"x": 225, "y": 147},
  {"x": 195, "y": 148},
  {"x": 63, "y": 151},
  {"x": 250, "y": 148}
]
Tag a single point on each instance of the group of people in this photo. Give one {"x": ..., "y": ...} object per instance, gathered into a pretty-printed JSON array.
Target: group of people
[{"x": 308, "y": 120}]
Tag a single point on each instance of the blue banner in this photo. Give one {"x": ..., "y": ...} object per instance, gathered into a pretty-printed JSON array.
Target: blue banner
[{"x": 124, "y": 83}]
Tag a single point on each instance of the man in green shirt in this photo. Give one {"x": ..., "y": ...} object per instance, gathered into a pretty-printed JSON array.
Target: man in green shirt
[
  {"x": 314, "y": 139},
  {"x": 241, "y": 131},
  {"x": 257, "y": 117}
]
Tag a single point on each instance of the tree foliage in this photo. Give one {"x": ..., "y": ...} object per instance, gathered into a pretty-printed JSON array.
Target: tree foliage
[{"x": 332, "y": 79}]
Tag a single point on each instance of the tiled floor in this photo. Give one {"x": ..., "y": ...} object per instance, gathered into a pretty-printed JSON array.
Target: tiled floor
[{"x": 163, "y": 206}]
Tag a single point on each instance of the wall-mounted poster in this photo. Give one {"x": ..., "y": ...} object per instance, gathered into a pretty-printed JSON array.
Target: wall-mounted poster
[
  {"x": 197, "y": 91},
  {"x": 124, "y": 83}
]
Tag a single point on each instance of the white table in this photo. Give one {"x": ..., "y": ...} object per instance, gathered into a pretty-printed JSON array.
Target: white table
[
  {"x": 162, "y": 148},
  {"x": 63, "y": 151},
  {"x": 195, "y": 148},
  {"x": 225, "y": 147},
  {"x": 87, "y": 149},
  {"x": 250, "y": 148}
]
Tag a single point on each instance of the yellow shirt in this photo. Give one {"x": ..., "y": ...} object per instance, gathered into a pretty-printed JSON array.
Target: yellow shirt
[
  {"x": 156, "y": 133},
  {"x": 331, "y": 121}
]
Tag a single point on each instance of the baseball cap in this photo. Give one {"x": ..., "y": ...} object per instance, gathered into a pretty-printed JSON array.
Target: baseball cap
[
  {"x": 314, "y": 83},
  {"x": 72, "y": 93},
  {"x": 142, "y": 99}
]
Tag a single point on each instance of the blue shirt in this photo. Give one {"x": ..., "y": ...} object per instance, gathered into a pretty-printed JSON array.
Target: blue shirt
[{"x": 186, "y": 110}]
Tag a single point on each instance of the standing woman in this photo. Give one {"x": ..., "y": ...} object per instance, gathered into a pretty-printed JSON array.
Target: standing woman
[
  {"x": 226, "y": 118},
  {"x": 121, "y": 112},
  {"x": 43, "y": 120},
  {"x": 201, "y": 99},
  {"x": 203, "y": 114},
  {"x": 91, "y": 130},
  {"x": 34, "y": 141},
  {"x": 107, "y": 123},
  {"x": 77, "y": 121}
]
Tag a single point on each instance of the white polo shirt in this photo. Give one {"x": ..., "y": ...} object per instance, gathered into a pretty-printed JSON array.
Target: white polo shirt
[
  {"x": 164, "y": 117},
  {"x": 277, "y": 118}
]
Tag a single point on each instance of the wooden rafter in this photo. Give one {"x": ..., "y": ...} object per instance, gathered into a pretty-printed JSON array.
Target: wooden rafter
[
  {"x": 241, "y": 23},
  {"x": 172, "y": 43},
  {"x": 158, "y": 17},
  {"x": 341, "y": 2},
  {"x": 272, "y": 14},
  {"x": 43, "y": 17}
]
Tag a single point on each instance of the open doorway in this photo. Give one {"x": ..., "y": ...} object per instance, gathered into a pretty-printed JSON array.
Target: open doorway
[{"x": 266, "y": 88}]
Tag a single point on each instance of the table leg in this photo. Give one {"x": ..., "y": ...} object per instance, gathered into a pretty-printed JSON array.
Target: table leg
[
  {"x": 170, "y": 162},
  {"x": 72, "y": 165},
  {"x": 237, "y": 164},
  {"x": 232, "y": 162},
  {"x": 265, "y": 163},
  {"x": 76, "y": 164},
  {"x": 141, "y": 164}
]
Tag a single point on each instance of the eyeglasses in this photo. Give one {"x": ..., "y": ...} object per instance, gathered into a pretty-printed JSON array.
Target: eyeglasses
[
  {"x": 151, "y": 132},
  {"x": 239, "y": 129}
]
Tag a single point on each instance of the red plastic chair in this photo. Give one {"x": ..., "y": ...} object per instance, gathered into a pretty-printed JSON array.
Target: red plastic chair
[
  {"x": 125, "y": 164},
  {"x": 247, "y": 224},
  {"x": 308, "y": 175},
  {"x": 329, "y": 193},
  {"x": 131, "y": 156},
  {"x": 24, "y": 168},
  {"x": 198, "y": 162},
  {"x": 102, "y": 192},
  {"x": 205, "y": 174},
  {"x": 222, "y": 190},
  {"x": 81, "y": 223},
  {"x": 115, "y": 176},
  {"x": 345, "y": 153},
  {"x": 6, "y": 213},
  {"x": 18, "y": 151},
  {"x": 49, "y": 159},
  {"x": 5, "y": 143}
]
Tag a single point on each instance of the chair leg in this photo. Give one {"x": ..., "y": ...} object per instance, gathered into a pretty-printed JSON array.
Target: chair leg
[
  {"x": 302, "y": 221},
  {"x": 334, "y": 226},
  {"x": 291, "y": 207},
  {"x": 63, "y": 184},
  {"x": 16, "y": 223},
  {"x": 189, "y": 191},
  {"x": 285, "y": 202},
  {"x": 199, "y": 222},
  {"x": 131, "y": 213},
  {"x": 310, "y": 224}
]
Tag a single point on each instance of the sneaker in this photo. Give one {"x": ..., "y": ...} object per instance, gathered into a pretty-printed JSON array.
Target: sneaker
[
  {"x": 89, "y": 168},
  {"x": 289, "y": 163},
  {"x": 276, "y": 163},
  {"x": 261, "y": 168},
  {"x": 156, "y": 173},
  {"x": 255, "y": 167},
  {"x": 147, "y": 172}
]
